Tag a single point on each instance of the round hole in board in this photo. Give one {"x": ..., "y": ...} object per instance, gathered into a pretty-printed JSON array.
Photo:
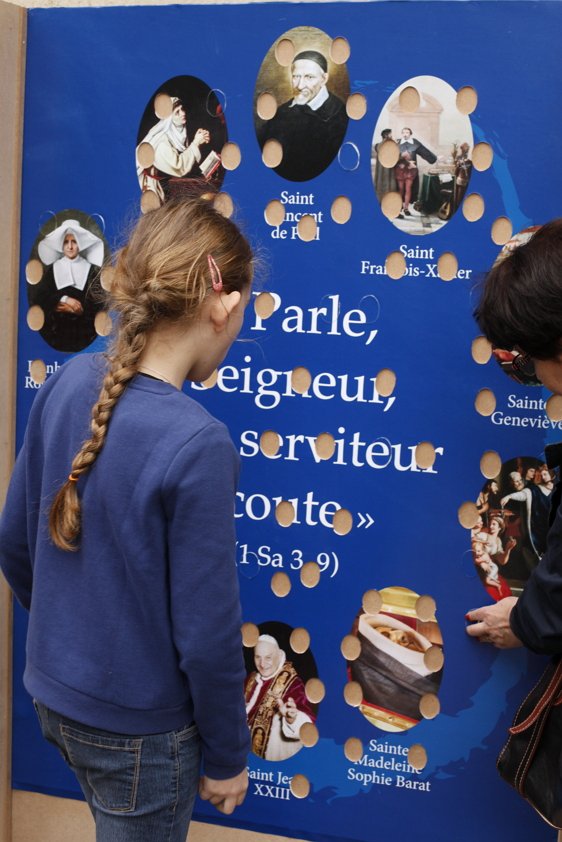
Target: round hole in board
[
  {"x": 481, "y": 350},
  {"x": 314, "y": 690},
  {"x": 103, "y": 324},
  {"x": 250, "y": 634},
  {"x": 409, "y": 99},
  {"x": 274, "y": 213},
  {"x": 299, "y": 786},
  {"x": 466, "y": 99},
  {"x": 356, "y": 106},
  {"x": 482, "y": 156},
  {"x": 350, "y": 647},
  {"x": 270, "y": 442},
  {"x": 485, "y": 403},
  {"x": 340, "y": 50},
  {"x": 145, "y": 155},
  {"x": 447, "y": 266},
  {"x": 473, "y": 207},
  {"x": 341, "y": 210},
  {"x": 353, "y": 749},
  {"x": 395, "y": 265},
  {"x": 490, "y": 464},
  {"x": 342, "y": 522},
  {"x": 285, "y": 513},
  {"x": 163, "y": 106},
  {"x": 223, "y": 204},
  {"x": 307, "y": 228},
  {"x": 371, "y": 602},
  {"x": 391, "y": 205},
  {"x": 433, "y": 658},
  {"x": 388, "y": 153},
  {"x": 310, "y": 574},
  {"x": 35, "y": 317},
  {"x": 425, "y": 455},
  {"x": 38, "y": 371},
  {"x": 149, "y": 201},
  {"x": 325, "y": 445},
  {"x": 301, "y": 379},
  {"x": 266, "y": 106},
  {"x": 430, "y": 706},
  {"x": 385, "y": 382},
  {"x": 272, "y": 153},
  {"x": 280, "y": 584},
  {"x": 353, "y": 694},
  {"x": 417, "y": 757},
  {"x": 33, "y": 271},
  {"x": 264, "y": 305},
  {"x": 468, "y": 515},
  {"x": 231, "y": 156},
  {"x": 502, "y": 230},
  {"x": 285, "y": 52},
  {"x": 299, "y": 640},
  {"x": 308, "y": 734},
  {"x": 425, "y": 608}
]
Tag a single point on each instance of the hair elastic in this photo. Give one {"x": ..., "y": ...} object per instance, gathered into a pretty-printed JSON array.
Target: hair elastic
[
  {"x": 216, "y": 277},
  {"x": 72, "y": 478}
]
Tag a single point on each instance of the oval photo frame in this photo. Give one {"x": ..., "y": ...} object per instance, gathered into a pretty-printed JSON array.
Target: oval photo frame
[
  {"x": 421, "y": 151},
  {"x": 300, "y": 103}
]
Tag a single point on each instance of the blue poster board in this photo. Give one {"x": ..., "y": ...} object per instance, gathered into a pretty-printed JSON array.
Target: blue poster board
[{"x": 91, "y": 76}]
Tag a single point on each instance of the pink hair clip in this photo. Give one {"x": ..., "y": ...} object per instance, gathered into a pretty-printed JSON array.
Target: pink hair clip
[{"x": 216, "y": 277}]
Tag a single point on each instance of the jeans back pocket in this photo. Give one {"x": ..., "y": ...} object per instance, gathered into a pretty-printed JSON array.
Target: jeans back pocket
[{"x": 111, "y": 766}]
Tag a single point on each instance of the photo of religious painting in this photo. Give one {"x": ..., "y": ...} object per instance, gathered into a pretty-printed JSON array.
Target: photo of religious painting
[
  {"x": 63, "y": 280},
  {"x": 277, "y": 702},
  {"x": 510, "y": 535},
  {"x": 180, "y": 138},
  {"x": 400, "y": 663},
  {"x": 421, "y": 150},
  {"x": 299, "y": 104}
]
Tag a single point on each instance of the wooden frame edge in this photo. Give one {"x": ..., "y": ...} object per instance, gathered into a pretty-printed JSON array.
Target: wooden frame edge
[{"x": 13, "y": 25}]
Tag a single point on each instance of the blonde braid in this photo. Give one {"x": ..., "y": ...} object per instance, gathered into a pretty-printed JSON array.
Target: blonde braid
[
  {"x": 161, "y": 274},
  {"x": 64, "y": 518}
]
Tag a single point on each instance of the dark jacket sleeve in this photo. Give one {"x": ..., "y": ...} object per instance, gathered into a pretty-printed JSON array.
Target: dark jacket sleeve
[
  {"x": 537, "y": 616},
  {"x": 426, "y": 153}
]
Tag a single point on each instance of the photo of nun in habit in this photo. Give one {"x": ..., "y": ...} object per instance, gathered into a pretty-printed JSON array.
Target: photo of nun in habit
[
  {"x": 174, "y": 156},
  {"x": 186, "y": 144},
  {"x": 69, "y": 292}
]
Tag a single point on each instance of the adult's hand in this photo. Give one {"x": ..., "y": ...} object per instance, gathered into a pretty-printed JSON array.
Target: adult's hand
[
  {"x": 490, "y": 624},
  {"x": 224, "y": 795}
]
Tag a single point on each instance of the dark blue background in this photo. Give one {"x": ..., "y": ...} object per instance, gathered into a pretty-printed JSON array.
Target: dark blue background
[{"x": 89, "y": 76}]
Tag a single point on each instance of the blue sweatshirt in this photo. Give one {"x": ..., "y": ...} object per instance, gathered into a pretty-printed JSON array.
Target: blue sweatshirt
[{"x": 138, "y": 631}]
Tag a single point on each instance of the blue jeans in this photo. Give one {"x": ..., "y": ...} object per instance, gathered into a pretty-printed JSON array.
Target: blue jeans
[{"x": 139, "y": 788}]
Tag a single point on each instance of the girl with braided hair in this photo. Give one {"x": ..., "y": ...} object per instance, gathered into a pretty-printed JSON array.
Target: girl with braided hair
[{"x": 118, "y": 537}]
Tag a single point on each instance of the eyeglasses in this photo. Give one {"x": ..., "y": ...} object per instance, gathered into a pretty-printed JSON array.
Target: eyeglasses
[{"x": 518, "y": 365}]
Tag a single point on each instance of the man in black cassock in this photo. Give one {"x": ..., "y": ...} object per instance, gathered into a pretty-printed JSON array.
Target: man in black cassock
[{"x": 311, "y": 126}]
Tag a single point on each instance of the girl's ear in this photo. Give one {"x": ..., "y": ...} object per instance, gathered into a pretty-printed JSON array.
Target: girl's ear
[{"x": 222, "y": 305}]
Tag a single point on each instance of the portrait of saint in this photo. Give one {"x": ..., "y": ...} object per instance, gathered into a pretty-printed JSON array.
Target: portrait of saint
[
  {"x": 69, "y": 290},
  {"x": 180, "y": 138},
  {"x": 276, "y": 703},
  {"x": 310, "y": 121}
]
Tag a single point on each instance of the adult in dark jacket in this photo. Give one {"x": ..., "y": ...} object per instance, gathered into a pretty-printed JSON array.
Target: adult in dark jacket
[{"x": 521, "y": 307}]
